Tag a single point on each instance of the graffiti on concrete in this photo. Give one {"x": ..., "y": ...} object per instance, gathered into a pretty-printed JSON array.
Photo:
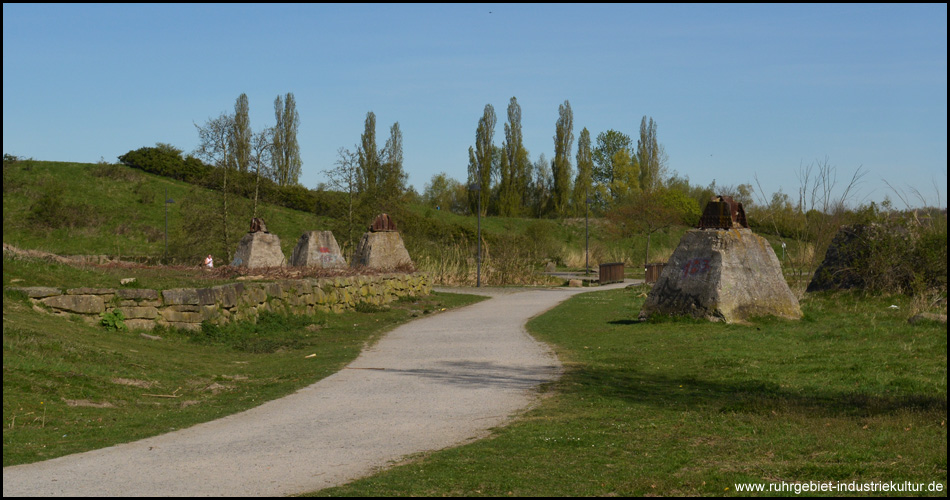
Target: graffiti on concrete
[{"x": 694, "y": 267}]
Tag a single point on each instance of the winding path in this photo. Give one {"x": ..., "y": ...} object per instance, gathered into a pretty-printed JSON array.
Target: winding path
[{"x": 433, "y": 383}]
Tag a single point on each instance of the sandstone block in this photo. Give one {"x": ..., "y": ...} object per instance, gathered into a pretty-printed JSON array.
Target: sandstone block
[
  {"x": 176, "y": 296},
  {"x": 39, "y": 292},
  {"x": 82, "y": 304}
]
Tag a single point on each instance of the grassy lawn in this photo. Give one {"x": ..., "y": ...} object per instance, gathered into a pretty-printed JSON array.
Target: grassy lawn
[
  {"x": 70, "y": 387},
  {"x": 680, "y": 408}
]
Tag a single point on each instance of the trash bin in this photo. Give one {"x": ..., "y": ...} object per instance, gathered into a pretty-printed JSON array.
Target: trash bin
[
  {"x": 611, "y": 273},
  {"x": 653, "y": 272}
]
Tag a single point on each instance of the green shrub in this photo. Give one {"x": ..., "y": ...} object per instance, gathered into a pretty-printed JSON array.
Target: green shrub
[{"x": 113, "y": 321}]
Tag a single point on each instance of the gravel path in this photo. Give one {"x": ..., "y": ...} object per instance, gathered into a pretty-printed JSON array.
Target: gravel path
[{"x": 433, "y": 383}]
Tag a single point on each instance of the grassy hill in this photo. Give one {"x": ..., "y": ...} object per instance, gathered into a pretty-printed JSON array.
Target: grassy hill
[
  {"x": 109, "y": 209},
  {"x": 93, "y": 209}
]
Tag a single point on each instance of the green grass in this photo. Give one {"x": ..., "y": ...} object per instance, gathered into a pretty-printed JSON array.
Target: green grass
[
  {"x": 681, "y": 407},
  {"x": 23, "y": 272},
  {"x": 118, "y": 211},
  {"x": 70, "y": 387}
]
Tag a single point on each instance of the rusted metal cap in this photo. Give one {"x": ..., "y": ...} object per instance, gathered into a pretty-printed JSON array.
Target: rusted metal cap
[
  {"x": 257, "y": 225},
  {"x": 722, "y": 212},
  {"x": 382, "y": 223}
]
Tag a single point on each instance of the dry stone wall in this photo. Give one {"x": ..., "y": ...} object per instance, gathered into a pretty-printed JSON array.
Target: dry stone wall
[{"x": 189, "y": 307}]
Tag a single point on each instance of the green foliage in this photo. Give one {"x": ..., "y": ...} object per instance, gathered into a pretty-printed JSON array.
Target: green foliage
[
  {"x": 561, "y": 166},
  {"x": 894, "y": 255},
  {"x": 167, "y": 162},
  {"x": 113, "y": 321}
]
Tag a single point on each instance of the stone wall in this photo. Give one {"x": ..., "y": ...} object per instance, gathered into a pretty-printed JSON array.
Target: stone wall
[{"x": 188, "y": 307}]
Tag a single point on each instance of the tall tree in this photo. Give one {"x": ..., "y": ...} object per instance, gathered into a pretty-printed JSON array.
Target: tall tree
[
  {"x": 369, "y": 159},
  {"x": 393, "y": 178},
  {"x": 608, "y": 144},
  {"x": 241, "y": 135},
  {"x": 650, "y": 156},
  {"x": 515, "y": 192},
  {"x": 625, "y": 181},
  {"x": 286, "y": 150},
  {"x": 583, "y": 185},
  {"x": 480, "y": 160},
  {"x": 561, "y": 167}
]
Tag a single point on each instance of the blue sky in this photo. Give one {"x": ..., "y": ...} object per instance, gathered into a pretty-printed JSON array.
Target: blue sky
[{"x": 737, "y": 91}]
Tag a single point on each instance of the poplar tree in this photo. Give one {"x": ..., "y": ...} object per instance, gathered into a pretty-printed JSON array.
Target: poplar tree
[
  {"x": 480, "y": 160},
  {"x": 394, "y": 177},
  {"x": 583, "y": 185},
  {"x": 650, "y": 156},
  {"x": 516, "y": 168},
  {"x": 369, "y": 162},
  {"x": 286, "y": 150},
  {"x": 241, "y": 135},
  {"x": 561, "y": 167}
]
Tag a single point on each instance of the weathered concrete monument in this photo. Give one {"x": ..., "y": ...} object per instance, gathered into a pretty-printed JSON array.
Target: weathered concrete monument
[
  {"x": 382, "y": 247},
  {"x": 259, "y": 248},
  {"x": 722, "y": 271},
  {"x": 317, "y": 249}
]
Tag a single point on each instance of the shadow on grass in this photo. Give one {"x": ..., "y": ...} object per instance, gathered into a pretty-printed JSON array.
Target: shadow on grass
[{"x": 748, "y": 396}]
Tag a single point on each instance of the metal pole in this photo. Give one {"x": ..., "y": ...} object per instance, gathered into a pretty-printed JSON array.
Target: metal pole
[
  {"x": 586, "y": 235},
  {"x": 478, "y": 268}
]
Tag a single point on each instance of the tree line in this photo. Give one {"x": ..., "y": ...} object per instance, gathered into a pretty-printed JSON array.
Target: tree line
[{"x": 610, "y": 170}]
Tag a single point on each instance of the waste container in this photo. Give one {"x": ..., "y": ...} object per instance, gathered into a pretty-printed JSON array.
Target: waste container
[
  {"x": 653, "y": 272},
  {"x": 611, "y": 273}
]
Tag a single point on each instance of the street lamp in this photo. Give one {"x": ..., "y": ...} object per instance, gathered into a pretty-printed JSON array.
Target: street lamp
[
  {"x": 477, "y": 188},
  {"x": 167, "y": 201},
  {"x": 586, "y": 235}
]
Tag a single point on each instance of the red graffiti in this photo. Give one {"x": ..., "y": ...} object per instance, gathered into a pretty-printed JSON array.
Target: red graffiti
[
  {"x": 323, "y": 250},
  {"x": 695, "y": 266}
]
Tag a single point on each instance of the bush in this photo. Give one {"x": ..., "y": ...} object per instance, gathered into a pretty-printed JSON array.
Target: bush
[
  {"x": 167, "y": 162},
  {"x": 53, "y": 212},
  {"x": 895, "y": 255}
]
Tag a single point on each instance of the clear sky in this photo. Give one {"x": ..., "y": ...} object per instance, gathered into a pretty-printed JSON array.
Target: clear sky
[{"x": 737, "y": 91}]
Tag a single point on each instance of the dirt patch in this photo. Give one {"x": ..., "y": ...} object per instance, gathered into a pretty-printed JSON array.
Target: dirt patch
[
  {"x": 134, "y": 383},
  {"x": 88, "y": 404}
]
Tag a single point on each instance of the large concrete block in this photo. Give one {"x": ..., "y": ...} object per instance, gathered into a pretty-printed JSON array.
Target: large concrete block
[
  {"x": 317, "y": 249},
  {"x": 259, "y": 250},
  {"x": 722, "y": 275},
  {"x": 382, "y": 250}
]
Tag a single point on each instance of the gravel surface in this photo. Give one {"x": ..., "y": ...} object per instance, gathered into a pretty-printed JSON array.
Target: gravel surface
[{"x": 433, "y": 383}]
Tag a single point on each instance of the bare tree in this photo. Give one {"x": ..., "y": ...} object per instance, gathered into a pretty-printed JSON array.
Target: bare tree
[
  {"x": 346, "y": 177},
  {"x": 261, "y": 144},
  {"x": 215, "y": 147}
]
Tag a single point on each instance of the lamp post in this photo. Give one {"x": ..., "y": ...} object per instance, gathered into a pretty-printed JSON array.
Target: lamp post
[
  {"x": 167, "y": 201},
  {"x": 477, "y": 188},
  {"x": 586, "y": 235}
]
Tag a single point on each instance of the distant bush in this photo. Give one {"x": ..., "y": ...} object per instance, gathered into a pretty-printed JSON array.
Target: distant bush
[
  {"x": 167, "y": 162},
  {"x": 52, "y": 211},
  {"x": 897, "y": 254}
]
